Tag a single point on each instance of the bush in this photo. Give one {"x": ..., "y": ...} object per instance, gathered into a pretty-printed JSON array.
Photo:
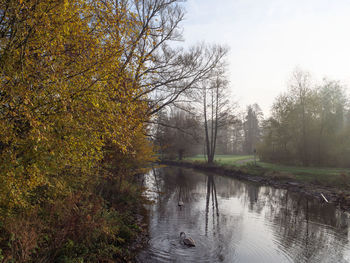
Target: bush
[{"x": 83, "y": 227}]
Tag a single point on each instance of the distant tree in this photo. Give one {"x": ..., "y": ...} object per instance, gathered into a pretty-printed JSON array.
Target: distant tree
[
  {"x": 237, "y": 140},
  {"x": 300, "y": 91},
  {"x": 331, "y": 112},
  {"x": 251, "y": 128},
  {"x": 309, "y": 125},
  {"x": 177, "y": 133},
  {"x": 224, "y": 140}
]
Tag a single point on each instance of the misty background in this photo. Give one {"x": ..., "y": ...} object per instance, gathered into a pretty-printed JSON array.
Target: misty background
[{"x": 268, "y": 39}]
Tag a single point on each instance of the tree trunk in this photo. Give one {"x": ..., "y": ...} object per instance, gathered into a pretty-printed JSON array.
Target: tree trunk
[
  {"x": 206, "y": 126},
  {"x": 212, "y": 127},
  {"x": 216, "y": 119}
]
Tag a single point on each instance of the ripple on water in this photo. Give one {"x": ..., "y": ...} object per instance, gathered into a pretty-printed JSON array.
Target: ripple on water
[
  {"x": 300, "y": 243},
  {"x": 255, "y": 231}
]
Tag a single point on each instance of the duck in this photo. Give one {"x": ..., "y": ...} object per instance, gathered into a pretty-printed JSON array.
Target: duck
[
  {"x": 180, "y": 203},
  {"x": 188, "y": 241}
]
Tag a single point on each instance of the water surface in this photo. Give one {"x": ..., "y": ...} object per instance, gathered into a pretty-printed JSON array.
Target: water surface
[{"x": 235, "y": 221}]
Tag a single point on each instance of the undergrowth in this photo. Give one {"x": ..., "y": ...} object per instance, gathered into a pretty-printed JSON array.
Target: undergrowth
[{"x": 89, "y": 226}]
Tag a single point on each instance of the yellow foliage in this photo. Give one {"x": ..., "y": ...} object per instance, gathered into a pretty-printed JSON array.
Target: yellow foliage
[{"x": 64, "y": 93}]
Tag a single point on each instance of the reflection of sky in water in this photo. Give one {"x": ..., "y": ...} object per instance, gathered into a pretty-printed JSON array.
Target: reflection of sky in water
[{"x": 244, "y": 223}]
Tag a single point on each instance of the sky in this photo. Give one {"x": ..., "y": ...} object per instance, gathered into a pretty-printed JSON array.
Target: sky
[{"x": 268, "y": 39}]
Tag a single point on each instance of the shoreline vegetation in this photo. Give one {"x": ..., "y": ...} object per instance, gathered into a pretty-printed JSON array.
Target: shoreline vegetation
[
  {"x": 308, "y": 181},
  {"x": 104, "y": 224}
]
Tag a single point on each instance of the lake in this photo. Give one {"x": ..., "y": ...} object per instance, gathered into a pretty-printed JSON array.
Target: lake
[{"x": 238, "y": 221}]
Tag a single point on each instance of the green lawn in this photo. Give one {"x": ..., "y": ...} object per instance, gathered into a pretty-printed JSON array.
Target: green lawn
[
  {"x": 224, "y": 159},
  {"x": 304, "y": 170},
  {"x": 339, "y": 177}
]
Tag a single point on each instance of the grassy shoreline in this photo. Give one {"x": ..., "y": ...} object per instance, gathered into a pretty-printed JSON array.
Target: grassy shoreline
[
  {"x": 325, "y": 176},
  {"x": 334, "y": 187}
]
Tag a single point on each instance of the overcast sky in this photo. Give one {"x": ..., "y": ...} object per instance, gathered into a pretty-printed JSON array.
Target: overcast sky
[{"x": 268, "y": 39}]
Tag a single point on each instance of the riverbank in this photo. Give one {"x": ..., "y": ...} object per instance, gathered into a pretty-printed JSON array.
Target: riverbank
[
  {"x": 103, "y": 224},
  {"x": 140, "y": 236},
  {"x": 331, "y": 193},
  {"x": 337, "y": 177}
]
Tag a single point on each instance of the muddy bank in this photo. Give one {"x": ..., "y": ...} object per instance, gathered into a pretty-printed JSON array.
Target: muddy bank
[{"x": 339, "y": 198}]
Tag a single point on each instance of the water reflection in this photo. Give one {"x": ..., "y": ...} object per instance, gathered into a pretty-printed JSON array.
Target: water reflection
[
  {"x": 211, "y": 192},
  {"x": 234, "y": 221}
]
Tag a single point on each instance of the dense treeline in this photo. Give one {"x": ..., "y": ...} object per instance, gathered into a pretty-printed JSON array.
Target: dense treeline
[
  {"x": 79, "y": 83},
  {"x": 310, "y": 125}
]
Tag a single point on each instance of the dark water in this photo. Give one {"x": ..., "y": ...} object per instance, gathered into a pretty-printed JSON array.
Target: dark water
[{"x": 235, "y": 221}]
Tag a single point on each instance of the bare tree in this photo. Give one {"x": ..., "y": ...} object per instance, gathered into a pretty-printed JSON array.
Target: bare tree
[
  {"x": 164, "y": 73},
  {"x": 216, "y": 110}
]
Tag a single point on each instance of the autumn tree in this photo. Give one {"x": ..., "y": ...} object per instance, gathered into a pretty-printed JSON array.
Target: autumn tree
[
  {"x": 60, "y": 97},
  {"x": 77, "y": 76}
]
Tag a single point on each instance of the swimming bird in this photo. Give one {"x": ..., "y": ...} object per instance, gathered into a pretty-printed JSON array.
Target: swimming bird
[
  {"x": 180, "y": 203},
  {"x": 188, "y": 241}
]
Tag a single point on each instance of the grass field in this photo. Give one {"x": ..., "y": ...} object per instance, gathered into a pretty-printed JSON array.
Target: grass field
[
  {"x": 339, "y": 177},
  {"x": 225, "y": 159}
]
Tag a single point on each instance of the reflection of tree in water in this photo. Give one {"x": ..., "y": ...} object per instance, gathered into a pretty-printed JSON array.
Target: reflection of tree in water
[
  {"x": 307, "y": 231},
  {"x": 181, "y": 182},
  {"x": 200, "y": 195},
  {"x": 302, "y": 228},
  {"x": 245, "y": 191},
  {"x": 253, "y": 195},
  {"x": 224, "y": 228},
  {"x": 211, "y": 192},
  {"x": 163, "y": 181},
  {"x": 174, "y": 184}
]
